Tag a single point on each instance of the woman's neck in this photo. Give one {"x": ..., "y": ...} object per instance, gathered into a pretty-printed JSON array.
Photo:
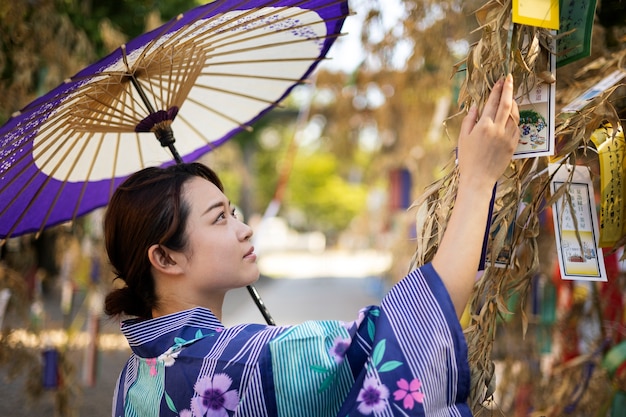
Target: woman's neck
[{"x": 168, "y": 305}]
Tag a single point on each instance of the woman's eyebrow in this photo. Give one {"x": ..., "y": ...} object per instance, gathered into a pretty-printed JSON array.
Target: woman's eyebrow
[{"x": 216, "y": 205}]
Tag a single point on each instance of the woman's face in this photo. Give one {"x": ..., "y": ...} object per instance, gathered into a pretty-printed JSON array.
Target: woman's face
[{"x": 219, "y": 254}]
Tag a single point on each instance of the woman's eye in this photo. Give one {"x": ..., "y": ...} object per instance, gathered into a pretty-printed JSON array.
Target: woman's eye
[{"x": 237, "y": 214}]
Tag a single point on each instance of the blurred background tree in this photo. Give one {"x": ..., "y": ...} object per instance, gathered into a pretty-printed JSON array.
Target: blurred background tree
[
  {"x": 384, "y": 112},
  {"x": 43, "y": 42}
]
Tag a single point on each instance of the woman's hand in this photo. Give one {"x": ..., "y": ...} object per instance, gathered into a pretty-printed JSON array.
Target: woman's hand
[
  {"x": 484, "y": 151},
  {"x": 486, "y": 146}
]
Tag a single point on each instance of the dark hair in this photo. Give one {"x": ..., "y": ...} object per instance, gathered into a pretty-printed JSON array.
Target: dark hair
[{"x": 146, "y": 209}]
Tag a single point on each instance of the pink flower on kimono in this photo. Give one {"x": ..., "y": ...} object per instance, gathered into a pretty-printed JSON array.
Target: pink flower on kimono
[
  {"x": 185, "y": 413},
  {"x": 339, "y": 349},
  {"x": 372, "y": 397},
  {"x": 409, "y": 393},
  {"x": 152, "y": 364},
  {"x": 214, "y": 398}
]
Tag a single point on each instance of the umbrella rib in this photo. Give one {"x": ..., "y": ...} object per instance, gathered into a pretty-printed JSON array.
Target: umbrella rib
[
  {"x": 46, "y": 149},
  {"x": 234, "y": 93},
  {"x": 94, "y": 88},
  {"x": 20, "y": 149},
  {"x": 270, "y": 45},
  {"x": 15, "y": 177},
  {"x": 133, "y": 100},
  {"x": 265, "y": 60},
  {"x": 141, "y": 159},
  {"x": 225, "y": 26},
  {"x": 223, "y": 115},
  {"x": 67, "y": 129},
  {"x": 200, "y": 134},
  {"x": 208, "y": 35},
  {"x": 147, "y": 47},
  {"x": 177, "y": 92},
  {"x": 254, "y": 76},
  {"x": 186, "y": 79},
  {"x": 180, "y": 79},
  {"x": 97, "y": 122},
  {"x": 111, "y": 124},
  {"x": 80, "y": 121},
  {"x": 139, "y": 151},
  {"x": 55, "y": 100},
  {"x": 140, "y": 85},
  {"x": 115, "y": 156},
  {"x": 91, "y": 166},
  {"x": 126, "y": 122},
  {"x": 37, "y": 193},
  {"x": 190, "y": 28},
  {"x": 162, "y": 89},
  {"x": 138, "y": 107},
  {"x": 187, "y": 29},
  {"x": 98, "y": 90},
  {"x": 64, "y": 182}
]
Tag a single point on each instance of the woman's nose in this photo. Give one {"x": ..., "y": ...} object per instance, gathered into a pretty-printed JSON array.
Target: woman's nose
[{"x": 245, "y": 231}]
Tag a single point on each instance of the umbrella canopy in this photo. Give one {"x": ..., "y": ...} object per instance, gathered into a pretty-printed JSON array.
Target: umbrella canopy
[{"x": 194, "y": 82}]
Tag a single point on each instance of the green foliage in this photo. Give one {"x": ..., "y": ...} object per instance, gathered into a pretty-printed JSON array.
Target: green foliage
[
  {"x": 43, "y": 42},
  {"x": 127, "y": 16},
  {"x": 328, "y": 202}
]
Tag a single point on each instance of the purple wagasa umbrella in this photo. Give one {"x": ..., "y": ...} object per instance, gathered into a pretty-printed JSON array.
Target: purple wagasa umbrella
[{"x": 202, "y": 77}]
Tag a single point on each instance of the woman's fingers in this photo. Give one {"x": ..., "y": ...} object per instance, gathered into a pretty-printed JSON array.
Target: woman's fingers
[
  {"x": 513, "y": 121},
  {"x": 493, "y": 102},
  {"x": 505, "y": 104},
  {"x": 511, "y": 128},
  {"x": 469, "y": 121},
  {"x": 500, "y": 102},
  {"x": 497, "y": 128}
]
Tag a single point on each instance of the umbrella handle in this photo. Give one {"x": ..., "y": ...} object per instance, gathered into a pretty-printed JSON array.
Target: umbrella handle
[{"x": 259, "y": 303}]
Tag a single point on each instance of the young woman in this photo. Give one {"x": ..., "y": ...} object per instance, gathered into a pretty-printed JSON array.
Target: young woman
[{"x": 174, "y": 241}]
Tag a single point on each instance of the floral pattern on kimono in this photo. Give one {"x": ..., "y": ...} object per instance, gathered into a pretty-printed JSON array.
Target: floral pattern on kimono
[{"x": 406, "y": 357}]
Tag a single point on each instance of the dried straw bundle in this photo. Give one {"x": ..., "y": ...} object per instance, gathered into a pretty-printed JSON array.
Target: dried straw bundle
[{"x": 522, "y": 192}]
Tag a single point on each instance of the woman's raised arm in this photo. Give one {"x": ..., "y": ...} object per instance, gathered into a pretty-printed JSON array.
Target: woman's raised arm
[{"x": 485, "y": 149}]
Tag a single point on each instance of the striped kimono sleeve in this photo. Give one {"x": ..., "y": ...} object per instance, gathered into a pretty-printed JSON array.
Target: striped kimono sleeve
[{"x": 410, "y": 358}]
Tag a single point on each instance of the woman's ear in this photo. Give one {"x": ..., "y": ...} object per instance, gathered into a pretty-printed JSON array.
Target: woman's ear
[{"x": 161, "y": 260}]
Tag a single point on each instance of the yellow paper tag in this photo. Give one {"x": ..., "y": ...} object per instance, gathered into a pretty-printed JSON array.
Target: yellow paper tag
[
  {"x": 542, "y": 13},
  {"x": 612, "y": 185}
]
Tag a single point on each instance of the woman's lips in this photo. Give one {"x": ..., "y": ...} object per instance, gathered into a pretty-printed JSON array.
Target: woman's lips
[{"x": 250, "y": 254}]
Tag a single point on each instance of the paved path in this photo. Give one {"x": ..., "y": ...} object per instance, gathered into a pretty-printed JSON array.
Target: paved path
[
  {"x": 289, "y": 301},
  {"x": 292, "y": 301}
]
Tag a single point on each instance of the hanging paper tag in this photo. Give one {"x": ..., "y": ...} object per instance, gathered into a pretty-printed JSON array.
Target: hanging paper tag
[
  {"x": 594, "y": 91},
  {"x": 542, "y": 13},
  {"x": 537, "y": 113},
  {"x": 612, "y": 186},
  {"x": 579, "y": 259},
  {"x": 576, "y": 25}
]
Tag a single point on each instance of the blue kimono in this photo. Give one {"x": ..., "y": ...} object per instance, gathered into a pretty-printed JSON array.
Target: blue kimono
[{"x": 407, "y": 357}]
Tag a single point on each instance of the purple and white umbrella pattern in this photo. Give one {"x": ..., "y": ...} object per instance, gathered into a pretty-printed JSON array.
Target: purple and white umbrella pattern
[{"x": 193, "y": 83}]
